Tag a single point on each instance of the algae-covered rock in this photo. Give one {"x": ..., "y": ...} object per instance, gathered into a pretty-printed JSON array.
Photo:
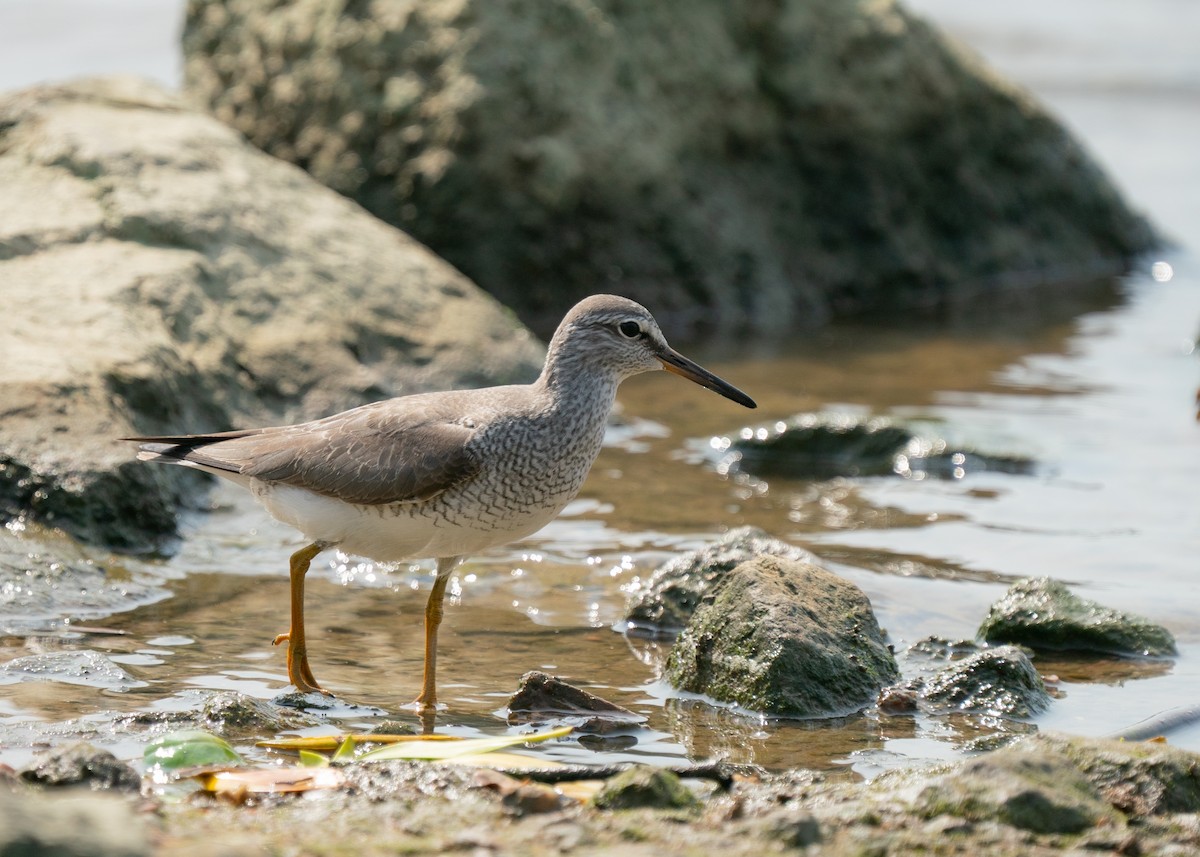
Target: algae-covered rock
[
  {"x": 1000, "y": 681},
  {"x": 1028, "y": 787},
  {"x": 762, "y": 164},
  {"x": 784, "y": 637},
  {"x": 82, "y": 764},
  {"x": 1044, "y": 614},
  {"x": 159, "y": 274},
  {"x": 1137, "y": 777},
  {"x": 235, "y": 715},
  {"x": 644, "y": 787},
  {"x": 665, "y": 601},
  {"x": 827, "y": 445}
]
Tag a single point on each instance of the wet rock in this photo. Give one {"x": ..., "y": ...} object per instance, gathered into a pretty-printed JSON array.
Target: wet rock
[
  {"x": 88, "y": 668},
  {"x": 824, "y": 446},
  {"x": 724, "y": 162},
  {"x": 1043, "y": 614},
  {"x": 542, "y": 697},
  {"x": 234, "y": 715},
  {"x": 46, "y": 578},
  {"x": 1000, "y": 681},
  {"x": 69, "y": 825},
  {"x": 1138, "y": 778},
  {"x": 644, "y": 787},
  {"x": 783, "y": 637},
  {"x": 83, "y": 764},
  {"x": 1028, "y": 787},
  {"x": 158, "y": 274},
  {"x": 665, "y": 601}
]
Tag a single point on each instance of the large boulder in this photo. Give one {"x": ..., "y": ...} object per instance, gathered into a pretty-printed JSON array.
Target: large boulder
[
  {"x": 784, "y": 637},
  {"x": 761, "y": 163},
  {"x": 160, "y": 274}
]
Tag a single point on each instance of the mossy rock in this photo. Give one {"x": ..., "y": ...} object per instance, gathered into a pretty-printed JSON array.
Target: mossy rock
[
  {"x": 784, "y": 637},
  {"x": 645, "y": 788},
  {"x": 665, "y": 601},
  {"x": 1043, "y": 614},
  {"x": 1000, "y": 681},
  {"x": 1031, "y": 788}
]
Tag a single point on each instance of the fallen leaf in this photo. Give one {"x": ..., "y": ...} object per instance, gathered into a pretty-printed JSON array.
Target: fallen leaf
[
  {"x": 438, "y": 750},
  {"x": 271, "y": 780},
  {"x": 187, "y": 749}
]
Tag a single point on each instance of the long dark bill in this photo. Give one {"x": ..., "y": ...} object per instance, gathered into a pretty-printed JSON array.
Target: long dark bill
[{"x": 677, "y": 364}]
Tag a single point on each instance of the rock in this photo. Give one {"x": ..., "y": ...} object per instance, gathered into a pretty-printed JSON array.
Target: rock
[
  {"x": 783, "y": 637},
  {"x": 83, "y": 764},
  {"x": 827, "y": 445},
  {"x": 235, "y": 715},
  {"x": 1000, "y": 681},
  {"x": 643, "y": 787},
  {"x": 46, "y": 577},
  {"x": 1044, "y": 614},
  {"x": 1138, "y": 778},
  {"x": 1027, "y": 786},
  {"x": 84, "y": 667},
  {"x": 160, "y": 274},
  {"x": 664, "y": 602},
  {"x": 72, "y": 824},
  {"x": 763, "y": 164},
  {"x": 543, "y": 697}
]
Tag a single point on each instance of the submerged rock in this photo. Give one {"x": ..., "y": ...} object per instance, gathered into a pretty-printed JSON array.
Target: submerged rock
[
  {"x": 783, "y": 637},
  {"x": 84, "y": 667},
  {"x": 1000, "y": 681},
  {"x": 160, "y": 274},
  {"x": 83, "y": 764},
  {"x": 1043, "y": 614},
  {"x": 824, "y": 446},
  {"x": 644, "y": 787},
  {"x": 542, "y": 697},
  {"x": 234, "y": 715},
  {"x": 665, "y": 601},
  {"x": 764, "y": 164},
  {"x": 47, "y": 578}
]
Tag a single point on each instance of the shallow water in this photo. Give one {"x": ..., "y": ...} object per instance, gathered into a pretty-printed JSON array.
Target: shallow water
[{"x": 1097, "y": 386}]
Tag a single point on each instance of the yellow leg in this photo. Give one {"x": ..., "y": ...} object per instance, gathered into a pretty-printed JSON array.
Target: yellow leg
[
  {"x": 433, "y": 618},
  {"x": 299, "y": 672}
]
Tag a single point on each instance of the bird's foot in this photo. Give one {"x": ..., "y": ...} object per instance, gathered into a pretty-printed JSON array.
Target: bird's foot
[{"x": 299, "y": 672}]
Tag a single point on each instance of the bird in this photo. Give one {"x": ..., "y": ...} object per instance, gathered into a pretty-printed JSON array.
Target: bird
[{"x": 440, "y": 475}]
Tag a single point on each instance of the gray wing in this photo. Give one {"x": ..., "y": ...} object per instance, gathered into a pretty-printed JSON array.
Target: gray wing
[{"x": 373, "y": 455}]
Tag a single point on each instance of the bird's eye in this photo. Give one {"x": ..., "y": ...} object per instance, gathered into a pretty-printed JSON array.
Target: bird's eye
[{"x": 630, "y": 329}]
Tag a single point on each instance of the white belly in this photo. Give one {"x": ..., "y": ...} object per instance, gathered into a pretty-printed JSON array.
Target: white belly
[{"x": 394, "y": 533}]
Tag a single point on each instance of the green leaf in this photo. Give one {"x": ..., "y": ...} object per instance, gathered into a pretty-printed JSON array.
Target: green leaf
[
  {"x": 309, "y": 759},
  {"x": 187, "y": 749},
  {"x": 433, "y": 750},
  {"x": 346, "y": 751}
]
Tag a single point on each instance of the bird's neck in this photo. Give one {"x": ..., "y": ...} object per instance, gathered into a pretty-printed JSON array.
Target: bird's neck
[{"x": 576, "y": 388}]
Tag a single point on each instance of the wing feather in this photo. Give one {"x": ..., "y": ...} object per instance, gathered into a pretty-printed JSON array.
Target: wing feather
[{"x": 374, "y": 455}]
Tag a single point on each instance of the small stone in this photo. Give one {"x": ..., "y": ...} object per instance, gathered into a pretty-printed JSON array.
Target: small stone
[
  {"x": 542, "y": 697},
  {"x": 83, "y": 764},
  {"x": 645, "y": 788},
  {"x": 1000, "y": 681}
]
